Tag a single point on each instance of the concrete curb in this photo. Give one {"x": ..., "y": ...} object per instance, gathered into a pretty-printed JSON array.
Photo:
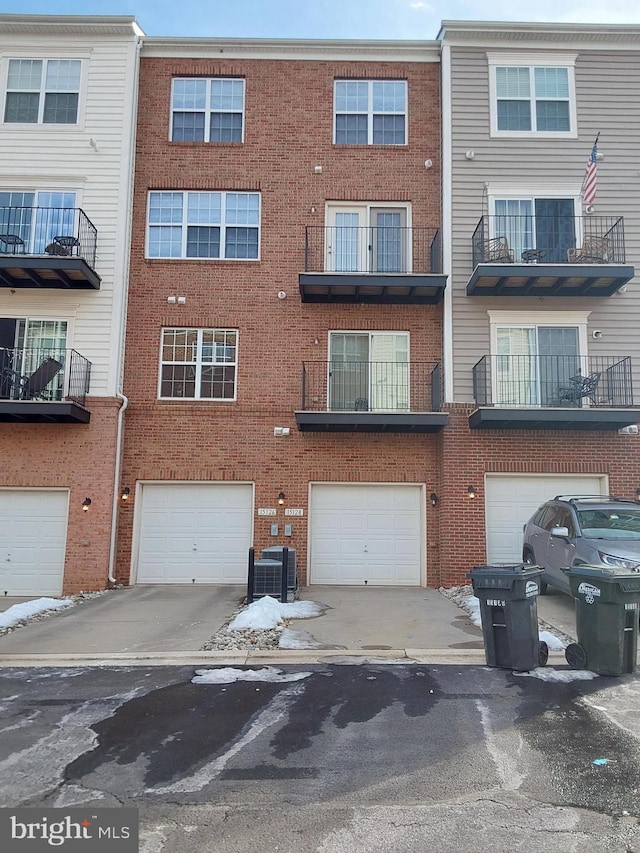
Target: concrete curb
[{"x": 448, "y": 657}]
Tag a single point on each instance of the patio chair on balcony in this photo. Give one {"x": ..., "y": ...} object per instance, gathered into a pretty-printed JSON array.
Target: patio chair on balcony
[
  {"x": 497, "y": 251},
  {"x": 594, "y": 250},
  {"x": 11, "y": 244},
  {"x": 579, "y": 387},
  {"x": 34, "y": 387},
  {"x": 63, "y": 245}
]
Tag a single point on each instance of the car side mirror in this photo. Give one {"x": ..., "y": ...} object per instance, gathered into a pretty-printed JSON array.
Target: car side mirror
[{"x": 562, "y": 532}]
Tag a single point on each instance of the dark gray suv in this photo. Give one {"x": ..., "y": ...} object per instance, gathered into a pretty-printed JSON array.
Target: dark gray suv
[{"x": 582, "y": 530}]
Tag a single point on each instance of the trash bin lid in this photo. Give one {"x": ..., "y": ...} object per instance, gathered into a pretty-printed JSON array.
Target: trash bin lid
[
  {"x": 502, "y": 576},
  {"x": 608, "y": 574}
]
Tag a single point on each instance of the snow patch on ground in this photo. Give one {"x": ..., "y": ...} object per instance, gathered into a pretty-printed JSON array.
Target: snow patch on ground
[
  {"x": 228, "y": 675},
  {"x": 559, "y": 675},
  {"x": 267, "y": 613},
  {"x": 26, "y": 609}
]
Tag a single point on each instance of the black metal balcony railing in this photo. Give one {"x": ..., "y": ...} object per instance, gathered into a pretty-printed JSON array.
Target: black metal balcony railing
[
  {"x": 553, "y": 380},
  {"x": 45, "y": 374},
  {"x": 377, "y": 250},
  {"x": 375, "y": 386},
  {"x": 504, "y": 239},
  {"x": 53, "y": 231}
]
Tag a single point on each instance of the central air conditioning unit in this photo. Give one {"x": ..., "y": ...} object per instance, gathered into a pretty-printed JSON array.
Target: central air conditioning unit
[{"x": 267, "y": 578}]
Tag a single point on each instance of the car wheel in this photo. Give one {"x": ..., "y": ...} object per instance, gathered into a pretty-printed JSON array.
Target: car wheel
[{"x": 529, "y": 560}]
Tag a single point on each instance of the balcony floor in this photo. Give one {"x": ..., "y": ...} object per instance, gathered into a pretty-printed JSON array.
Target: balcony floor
[
  {"x": 417, "y": 422},
  {"x": 374, "y": 288},
  {"x": 593, "y": 418},
  {"x": 520, "y": 279},
  {"x": 34, "y": 412},
  {"x": 45, "y": 271}
]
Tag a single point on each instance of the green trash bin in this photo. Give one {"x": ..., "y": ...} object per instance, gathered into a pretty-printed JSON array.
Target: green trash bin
[
  {"x": 508, "y": 607},
  {"x": 607, "y": 602}
]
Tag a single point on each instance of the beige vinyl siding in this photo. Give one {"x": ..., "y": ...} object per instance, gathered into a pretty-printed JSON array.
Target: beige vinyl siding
[
  {"x": 607, "y": 86},
  {"x": 46, "y": 157}
]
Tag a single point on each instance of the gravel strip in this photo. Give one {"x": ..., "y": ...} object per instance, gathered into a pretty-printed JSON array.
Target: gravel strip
[{"x": 78, "y": 598}]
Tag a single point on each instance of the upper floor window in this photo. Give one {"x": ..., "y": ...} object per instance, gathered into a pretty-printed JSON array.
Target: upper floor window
[
  {"x": 370, "y": 112},
  {"x": 42, "y": 91},
  {"x": 223, "y": 225},
  {"x": 532, "y": 99},
  {"x": 207, "y": 110},
  {"x": 199, "y": 364}
]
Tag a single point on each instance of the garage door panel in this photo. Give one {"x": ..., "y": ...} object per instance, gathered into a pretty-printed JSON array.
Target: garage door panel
[
  {"x": 512, "y": 500},
  {"x": 33, "y": 544},
  {"x": 369, "y": 534},
  {"x": 198, "y": 531}
]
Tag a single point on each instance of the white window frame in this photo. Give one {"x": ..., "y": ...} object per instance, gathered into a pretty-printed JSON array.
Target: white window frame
[
  {"x": 42, "y": 91},
  {"x": 532, "y": 61},
  {"x": 44, "y": 317},
  {"x": 368, "y": 210},
  {"x": 370, "y": 112},
  {"x": 533, "y": 319},
  {"x": 208, "y": 112},
  {"x": 369, "y": 333},
  {"x": 199, "y": 364},
  {"x": 184, "y": 225}
]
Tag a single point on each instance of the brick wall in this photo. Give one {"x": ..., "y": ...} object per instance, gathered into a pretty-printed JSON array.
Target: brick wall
[
  {"x": 288, "y": 131},
  {"x": 468, "y": 454},
  {"x": 79, "y": 458}
]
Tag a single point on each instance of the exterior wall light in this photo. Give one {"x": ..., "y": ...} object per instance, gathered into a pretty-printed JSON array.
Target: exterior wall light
[
  {"x": 281, "y": 497},
  {"x": 433, "y": 498},
  {"x": 86, "y": 503},
  {"x": 125, "y": 493},
  {"x": 471, "y": 491}
]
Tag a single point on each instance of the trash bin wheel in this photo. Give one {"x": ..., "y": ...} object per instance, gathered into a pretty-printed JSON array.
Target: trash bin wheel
[
  {"x": 543, "y": 653},
  {"x": 576, "y": 656}
]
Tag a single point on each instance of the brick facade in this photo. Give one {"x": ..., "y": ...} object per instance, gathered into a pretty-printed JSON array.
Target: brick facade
[
  {"x": 289, "y": 114},
  {"x": 80, "y": 458}
]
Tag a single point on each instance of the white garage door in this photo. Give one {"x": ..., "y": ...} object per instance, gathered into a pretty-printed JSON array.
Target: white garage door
[
  {"x": 369, "y": 534},
  {"x": 195, "y": 532},
  {"x": 511, "y": 500},
  {"x": 33, "y": 540}
]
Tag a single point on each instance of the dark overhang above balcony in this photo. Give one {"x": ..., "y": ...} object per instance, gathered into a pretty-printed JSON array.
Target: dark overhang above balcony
[
  {"x": 496, "y": 279},
  {"x": 41, "y": 412},
  {"x": 592, "y": 419},
  {"x": 373, "y": 288},
  {"x": 416, "y": 422},
  {"x": 38, "y": 271}
]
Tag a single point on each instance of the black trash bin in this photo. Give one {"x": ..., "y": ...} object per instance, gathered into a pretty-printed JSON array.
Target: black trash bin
[
  {"x": 509, "y": 610},
  {"x": 607, "y": 602}
]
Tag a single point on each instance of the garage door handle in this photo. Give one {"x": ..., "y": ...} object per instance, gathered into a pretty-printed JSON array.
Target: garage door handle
[{"x": 195, "y": 548}]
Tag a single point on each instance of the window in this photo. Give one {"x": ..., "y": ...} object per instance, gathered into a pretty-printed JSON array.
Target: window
[
  {"x": 204, "y": 225},
  {"x": 199, "y": 364},
  {"x": 42, "y": 91},
  {"x": 547, "y": 225},
  {"x": 367, "y": 238},
  {"x": 535, "y": 355},
  {"x": 207, "y": 110},
  {"x": 370, "y": 112},
  {"x": 36, "y": 218},
  {"x": 32, "y": 351},
  {"x": 531, "y": 96},
  {"x": 369, "y": 371}
]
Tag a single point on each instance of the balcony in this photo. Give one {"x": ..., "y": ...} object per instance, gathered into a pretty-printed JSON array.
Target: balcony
[
  {"x": 553, "y": 392},
  {"x": 548, "y": 256},
  {"x": 371, "y": 397},
  {"x": 47, "y": 247},
  {"x": 375, "y": 265},
  {"x": 43, "y": 385}
]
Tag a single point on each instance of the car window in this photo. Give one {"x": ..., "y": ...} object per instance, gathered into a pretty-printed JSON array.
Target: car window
[
  {"x": 612, "y": 523},
  {"x": 551, "y": 518},
  {"x": 564, "y": 518},
  {"x": 538, "y": 518}
]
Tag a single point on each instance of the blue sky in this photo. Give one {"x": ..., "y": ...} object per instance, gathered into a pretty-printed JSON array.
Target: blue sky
[{"x": 368, "y": 19}]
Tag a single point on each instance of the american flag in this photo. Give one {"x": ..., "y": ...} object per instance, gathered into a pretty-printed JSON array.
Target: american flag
[{"x": 590, "y": 175}]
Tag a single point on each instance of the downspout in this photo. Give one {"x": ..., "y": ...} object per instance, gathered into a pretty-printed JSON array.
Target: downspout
[
  {"x": 116, "y": 486},
  {"x": 123, "y": 311}
]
